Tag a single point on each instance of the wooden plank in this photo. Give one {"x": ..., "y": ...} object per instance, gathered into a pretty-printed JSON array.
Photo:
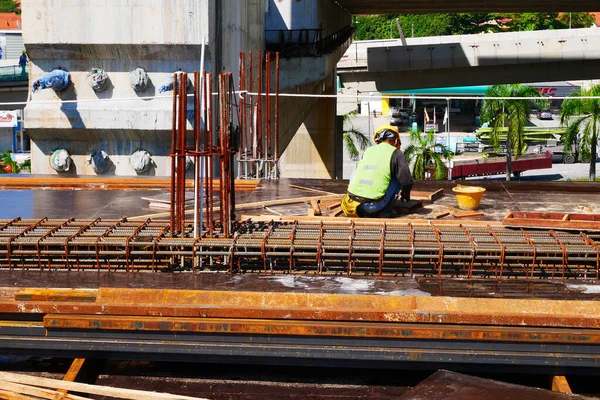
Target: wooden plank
[
  {"x": 119, "y": 393},
  {"x": 8, "y": 395},
  {"x": 426, "y": 196},
  {"x": 39, "y": 392},
  {"x": 337, "y": 212},
  {"x": 330, "y": 204},
  {"x": 468, "y": 214},
  {"x": 107, "y": 183},
  {"x": 569, "y": 221},
  {"x": 315, "y": 207},
  {"x": 560, "y": 384},
  {"x": 439, "y": 215},
  {"x": 73, "y": 372},
  {"x": 311, "y": 189},
  {"x": 246, "y": 206}
]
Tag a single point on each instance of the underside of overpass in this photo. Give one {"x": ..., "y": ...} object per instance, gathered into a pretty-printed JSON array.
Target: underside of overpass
[{"x": 459, "y": 6}]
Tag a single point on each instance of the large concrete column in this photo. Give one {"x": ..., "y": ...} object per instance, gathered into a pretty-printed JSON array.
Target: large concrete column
[
  {"x": 161, "y": 36},
  {"x": 309, "y": 138}
]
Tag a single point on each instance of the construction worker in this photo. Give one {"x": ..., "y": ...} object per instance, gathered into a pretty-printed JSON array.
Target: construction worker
[{"x": 380, "y": 175}]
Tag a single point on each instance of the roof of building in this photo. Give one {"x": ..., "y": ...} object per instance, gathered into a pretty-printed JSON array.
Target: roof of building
[{"x": 10, "y": 21}]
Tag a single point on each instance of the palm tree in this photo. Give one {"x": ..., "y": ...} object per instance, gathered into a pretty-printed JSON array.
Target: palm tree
[
  {"x": 423, "y": 154},
  {"x": 355, "y": 140},
  {"x": 582, "y": 117},
  {"x": 502, "y": 112}
]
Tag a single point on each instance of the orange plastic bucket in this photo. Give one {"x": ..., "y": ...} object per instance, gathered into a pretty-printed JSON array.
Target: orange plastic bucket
[{"x": 468, "y": 197}]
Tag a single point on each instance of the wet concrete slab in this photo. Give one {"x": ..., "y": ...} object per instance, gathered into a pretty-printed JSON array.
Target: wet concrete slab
[
  {"x": 81, "y": 204},
  {"x": 468, "y": 288},
  {"x": 499, "y": 199},
  {"x": 447, "y": 385}
]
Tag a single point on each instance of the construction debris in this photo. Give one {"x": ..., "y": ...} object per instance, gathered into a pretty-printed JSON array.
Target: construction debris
[{"x": 468, "y": 214}]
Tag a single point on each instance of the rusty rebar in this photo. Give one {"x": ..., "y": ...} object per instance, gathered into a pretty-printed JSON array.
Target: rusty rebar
[
  {"x": 276, "y": 135},
  {"x": 173, "y": 145},
  {"x": 268, "y": 132},
  {"x": 259, "y": 116},
  {"x": 301, "y": 248}
]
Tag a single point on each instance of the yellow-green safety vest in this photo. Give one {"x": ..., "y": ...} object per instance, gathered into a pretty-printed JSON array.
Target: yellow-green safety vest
[{"x": 373, "y": 172}]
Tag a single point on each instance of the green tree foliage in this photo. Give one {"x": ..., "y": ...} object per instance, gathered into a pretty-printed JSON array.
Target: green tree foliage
[
  {"x": 582, "y": 117},
  {"x": 577, "y": 19},
  {"x": 9, "y": 6},
  {"x": 423, "y": 154},
  {"x": 371, "y": 27},
  {"x": 355, "y": 140},
  {"x": 513, "y": 114}
]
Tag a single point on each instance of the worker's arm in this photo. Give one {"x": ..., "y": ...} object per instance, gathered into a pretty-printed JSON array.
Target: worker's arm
[{"x": 401, "y": 171}]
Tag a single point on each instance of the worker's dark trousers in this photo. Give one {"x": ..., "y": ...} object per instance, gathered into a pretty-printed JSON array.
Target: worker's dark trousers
[{"x": 385, "y": 204}]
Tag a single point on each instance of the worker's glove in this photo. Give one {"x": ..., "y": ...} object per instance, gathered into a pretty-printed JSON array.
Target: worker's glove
[{"x": 405, "y": 193}]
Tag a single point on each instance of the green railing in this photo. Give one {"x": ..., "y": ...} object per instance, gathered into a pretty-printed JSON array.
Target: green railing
[{"x": 13, "y": 73}]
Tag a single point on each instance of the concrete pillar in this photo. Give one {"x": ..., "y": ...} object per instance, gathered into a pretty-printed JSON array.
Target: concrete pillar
[{"x": 311, "y": 148}]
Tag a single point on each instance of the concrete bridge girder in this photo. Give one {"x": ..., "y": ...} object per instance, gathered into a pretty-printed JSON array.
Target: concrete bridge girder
[
  {"x": 495, "y": 49},
  {"x": 472, "y": 60}
]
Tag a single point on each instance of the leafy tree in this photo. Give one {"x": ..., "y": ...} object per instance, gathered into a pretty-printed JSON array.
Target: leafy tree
[
  {"x": 423, "y": 154},
  {"x": 355, "y": 140},
  {"x": 10, "y": 6},
  {"x": 577, "y": 19},
  {"x": 582, "y": 117},
  {"x": 535, "y": 22},
  {"x": 371, "y": 27},
  {"x": 509, "y": 113}
]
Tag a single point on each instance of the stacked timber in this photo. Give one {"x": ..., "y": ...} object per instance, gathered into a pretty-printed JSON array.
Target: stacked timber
[{"x": 25, "y": 387}]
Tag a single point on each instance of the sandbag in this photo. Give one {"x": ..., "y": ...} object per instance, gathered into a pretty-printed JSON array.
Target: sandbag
[
  {"x": 140, "y": 161},
  {"x": 60, "y": 160},
  {"x": 138, "y": 79},
  {"x": 98, "y": 80},
  {"x": 56, "y": 79},
  {"x": 99, "y": 161}
]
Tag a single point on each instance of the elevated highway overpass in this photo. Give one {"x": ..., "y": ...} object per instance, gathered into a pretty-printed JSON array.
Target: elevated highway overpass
[{"x": 497, "y": 58}]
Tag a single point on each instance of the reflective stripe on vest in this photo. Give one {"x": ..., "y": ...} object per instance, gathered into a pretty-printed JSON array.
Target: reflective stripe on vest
[{"x": 373, "y": 172}]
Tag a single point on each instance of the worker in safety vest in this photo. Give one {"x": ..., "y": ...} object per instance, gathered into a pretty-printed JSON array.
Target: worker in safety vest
[{"x": 380, "y": 175}]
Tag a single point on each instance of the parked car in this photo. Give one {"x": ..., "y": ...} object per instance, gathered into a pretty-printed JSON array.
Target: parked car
[
  {"x": 546, "y": 114},
  {"x": 398, "y": 115}
]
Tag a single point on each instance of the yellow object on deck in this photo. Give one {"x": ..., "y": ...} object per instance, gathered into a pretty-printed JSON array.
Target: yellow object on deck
[{"x": 468, "y": 197}]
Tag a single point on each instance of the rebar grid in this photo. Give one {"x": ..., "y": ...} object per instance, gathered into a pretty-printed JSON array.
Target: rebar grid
[{"x": 323, "y": 248}]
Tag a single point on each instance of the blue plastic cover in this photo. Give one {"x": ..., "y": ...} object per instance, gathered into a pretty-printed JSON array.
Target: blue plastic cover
[
  {"x": 167, "y": 86},
  {"x": 56, "y": 79}
]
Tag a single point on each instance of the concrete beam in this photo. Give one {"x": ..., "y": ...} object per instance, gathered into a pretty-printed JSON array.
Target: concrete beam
[
  {"x": 466, "y": 76},
  {"x": 482, "y": 50}
]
